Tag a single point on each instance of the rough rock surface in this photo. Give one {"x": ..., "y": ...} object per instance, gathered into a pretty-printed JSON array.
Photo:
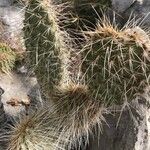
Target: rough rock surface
[
  {"x": 11, "y": 19},
  {"x": 127, "y": 130},
  {"x": 6, "y": 2},
  {"x": 17, "y": 88},
  {"x": 135, "y": 8},
  {"x": 121, "y": 5}
]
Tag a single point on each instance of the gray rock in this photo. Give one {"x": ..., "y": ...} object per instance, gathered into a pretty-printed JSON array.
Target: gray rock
[
  {"x": 140, "y": 9},
  {"x": 121, "y": 5},
  {"x": 6, "y": 3},
  {"x": 126, "y": 130},
  {"x": 12, "y": 20},
  {"x": 2, "y": 112},
  {"x": 18, "y": 88}
]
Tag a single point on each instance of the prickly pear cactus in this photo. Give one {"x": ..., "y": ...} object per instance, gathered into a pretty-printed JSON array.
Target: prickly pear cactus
[
  {"x": 78, "y": 86},
  {"x": 116, "y": 63}
]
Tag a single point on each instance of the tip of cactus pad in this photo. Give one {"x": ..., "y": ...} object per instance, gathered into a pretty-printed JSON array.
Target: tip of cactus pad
[
  {"x": 41, "y": 130},
  {"x": 79, "y": 110}
]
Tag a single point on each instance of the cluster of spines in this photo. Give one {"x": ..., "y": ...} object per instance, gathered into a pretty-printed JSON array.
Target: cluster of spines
[
  {"x": 79, "y": 110},
  {"x": 40, "y": 130}
]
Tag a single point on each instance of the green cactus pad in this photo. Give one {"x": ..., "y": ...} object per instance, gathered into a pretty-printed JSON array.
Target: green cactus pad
[
  {"x": 116, "y": 63},
  {"x": 47, "y": 54}
]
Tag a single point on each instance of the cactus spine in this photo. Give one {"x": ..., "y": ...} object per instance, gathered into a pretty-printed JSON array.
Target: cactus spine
[{"x": 116, "y": 63}]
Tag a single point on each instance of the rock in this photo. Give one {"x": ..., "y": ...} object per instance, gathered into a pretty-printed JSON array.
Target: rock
[
  {"x": 11, "y": 33},
  {"x": 126, "y": 130},
  {"x": 3, "y": 120},
  {"x": 18, "y": 88},
  {"x": 133, "y": 8},
  {"x": 121, "y": 5},
  {"x": 2, "y": 112},
  {"x": 6, "y": 3}
]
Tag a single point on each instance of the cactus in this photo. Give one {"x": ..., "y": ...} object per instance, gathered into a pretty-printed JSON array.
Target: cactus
[
  {"x": 112, "y": 67},
  {"x": 116, "y": 63},
  {"x": 88, "y": 11},
  {"x": 40, "y": 130},
  {"x": 47, "y": 53},
  {"x": 7, "y": 58},
  {"x": 82, "y": 14},
  {"x": 50, "y": 58}
]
